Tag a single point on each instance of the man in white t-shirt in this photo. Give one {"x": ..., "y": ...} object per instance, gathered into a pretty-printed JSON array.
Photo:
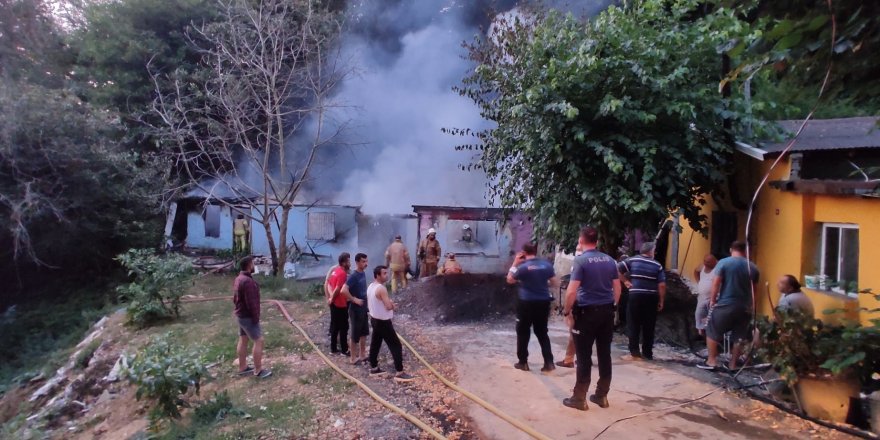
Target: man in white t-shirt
[
  {"x": 705, "y": 276},
  {"x": 381, "y": 311}
]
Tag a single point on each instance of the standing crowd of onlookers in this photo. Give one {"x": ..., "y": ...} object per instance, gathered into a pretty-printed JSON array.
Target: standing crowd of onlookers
[{"x": 725, "y": 307}]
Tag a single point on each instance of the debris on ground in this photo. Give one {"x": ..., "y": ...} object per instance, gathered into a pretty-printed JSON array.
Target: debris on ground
[{"x": 459, "y": 298}]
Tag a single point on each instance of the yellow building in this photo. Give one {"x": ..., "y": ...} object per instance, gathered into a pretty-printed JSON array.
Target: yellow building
[{"x": 817, "y": 219}]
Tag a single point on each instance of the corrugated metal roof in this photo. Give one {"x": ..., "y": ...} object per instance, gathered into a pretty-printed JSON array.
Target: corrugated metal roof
[{"x": 829, "y": 134}]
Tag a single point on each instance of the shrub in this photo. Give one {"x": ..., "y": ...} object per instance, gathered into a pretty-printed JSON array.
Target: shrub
[
  {"x": 158, "y": 284},
  {"x": 800, "y": 345},
  {"x": 164, "y": 372}
]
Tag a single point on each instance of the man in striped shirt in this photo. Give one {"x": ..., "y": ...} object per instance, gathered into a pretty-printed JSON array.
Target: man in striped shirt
[{"x": 646, "y": 281}]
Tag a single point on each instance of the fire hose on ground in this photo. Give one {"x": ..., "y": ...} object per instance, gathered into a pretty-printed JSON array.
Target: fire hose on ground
[{"x": 409, "y": 417}]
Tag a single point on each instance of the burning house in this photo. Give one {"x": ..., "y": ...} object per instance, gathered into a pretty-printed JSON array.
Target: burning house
[{"x": 483, "y": 239}]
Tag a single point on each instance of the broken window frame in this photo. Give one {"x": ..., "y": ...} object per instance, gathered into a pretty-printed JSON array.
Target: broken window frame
[{"x": 211, "y": 210}]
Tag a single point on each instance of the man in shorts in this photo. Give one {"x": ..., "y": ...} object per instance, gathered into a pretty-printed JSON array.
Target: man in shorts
[
  {"x": 355, "y": 291},
  {"x": 730, "y": 305},
  {"x": 246, "y": 298}
]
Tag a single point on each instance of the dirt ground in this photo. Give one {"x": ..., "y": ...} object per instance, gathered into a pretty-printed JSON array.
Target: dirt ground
[
  {"x": 484, "y": 356},
  {"x": 467, "y": 336}
]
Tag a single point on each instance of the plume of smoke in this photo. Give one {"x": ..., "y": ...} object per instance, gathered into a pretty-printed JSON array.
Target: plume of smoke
[{"x": 409, "y": 54}]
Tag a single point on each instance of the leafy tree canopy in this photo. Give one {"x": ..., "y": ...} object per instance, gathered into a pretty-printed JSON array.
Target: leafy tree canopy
[
  {"x": 790, "y": 47},
  {"x": 120, "y": 38},
  {"x": 611, "y": 122}
]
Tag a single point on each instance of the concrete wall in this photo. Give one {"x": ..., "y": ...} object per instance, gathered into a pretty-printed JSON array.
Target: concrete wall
[
  {"x": 195, "y": 230},
  {"x": 785, "y": 237}
]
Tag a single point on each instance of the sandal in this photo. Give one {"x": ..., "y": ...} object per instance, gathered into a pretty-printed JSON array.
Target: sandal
[
  {"x": 246, "y": 371},
  {"x": 707, "y": 367},
  {"x": 563, "y": 364},
  {"x": 263, "y": 374}
]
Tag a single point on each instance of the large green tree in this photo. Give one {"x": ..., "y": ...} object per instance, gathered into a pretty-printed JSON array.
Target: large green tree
[
  {"x": 71, "y": 197},
  {"x": 615, "y": 122}
]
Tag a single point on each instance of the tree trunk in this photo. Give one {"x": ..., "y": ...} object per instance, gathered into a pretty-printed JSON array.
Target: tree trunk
[
  {"x": 282, "y": 237},
  {"x": 273, "y": 250}
]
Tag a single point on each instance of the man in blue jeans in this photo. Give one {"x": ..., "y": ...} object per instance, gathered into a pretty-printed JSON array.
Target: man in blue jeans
[
  {"x": 535, "y": 276},
  {"x": 590, "y": 299}
]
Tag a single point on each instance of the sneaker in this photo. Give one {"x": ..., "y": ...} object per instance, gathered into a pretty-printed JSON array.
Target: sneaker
[
  {"x": 601, "y": 401},
  {"x": 648, "y": 357},
  {"x": 404, "y": 377},
  {"x": 376, "y": 371},
  {"x": 521, "y": 366},
  {"x": 345, "y": 353},
  {"x": 563, "y": 364},
  {"x": 635, "y": 355},
  {"x": 575, "y": 403},
  {"x": 548, "y": 367},
  {"x": 707, "y": 367},
  {"x": 264, "y": 373},
  {"x": 246, "y": 371}
]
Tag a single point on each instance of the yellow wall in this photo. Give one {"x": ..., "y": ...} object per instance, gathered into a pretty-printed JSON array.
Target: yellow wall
[{"x": 785, "y": 230}]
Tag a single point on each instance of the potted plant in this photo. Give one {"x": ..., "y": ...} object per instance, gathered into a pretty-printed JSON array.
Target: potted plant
[{"x": 824, "y": 364}]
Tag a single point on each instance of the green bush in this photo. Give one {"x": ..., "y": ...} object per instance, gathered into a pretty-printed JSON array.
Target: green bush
[
  {"x": 163, "y": 372},
  {"x": 158, "y": 284}
]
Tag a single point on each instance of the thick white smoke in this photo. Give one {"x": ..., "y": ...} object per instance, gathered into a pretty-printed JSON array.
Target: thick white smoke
[
  {"x": 409, "y": 55},
  {"x": 402, "y": 108}
]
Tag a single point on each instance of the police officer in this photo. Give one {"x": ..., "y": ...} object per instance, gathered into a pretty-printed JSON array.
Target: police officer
[
  {"x": 592, "y": 295},
  {"x": 535, "y": 276}
]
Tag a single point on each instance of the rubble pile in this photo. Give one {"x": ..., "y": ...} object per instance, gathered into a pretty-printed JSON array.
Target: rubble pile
[{"x": 458, "y": 298}]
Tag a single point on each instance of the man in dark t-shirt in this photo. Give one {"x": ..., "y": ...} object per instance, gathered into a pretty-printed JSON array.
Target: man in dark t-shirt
[
  {"x": 730, "y": 304},
  {"x": 534, "y": 275},
  {"x": 355, "y": 291},
  {"x": 590, "y": 299}
]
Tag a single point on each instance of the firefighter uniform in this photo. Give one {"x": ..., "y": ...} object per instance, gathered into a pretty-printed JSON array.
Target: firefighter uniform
[
  {"x": 397, "y": 259},
  {"x": 429, "y": 254}
]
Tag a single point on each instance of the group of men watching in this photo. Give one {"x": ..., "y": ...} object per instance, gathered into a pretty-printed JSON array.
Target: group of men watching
[
  {"x": 725, "y": 306},
  {"x": 353, "y": 305}
]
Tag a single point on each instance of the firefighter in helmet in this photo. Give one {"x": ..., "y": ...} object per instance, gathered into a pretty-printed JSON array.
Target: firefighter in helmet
[{"x": 429, "y": 254}]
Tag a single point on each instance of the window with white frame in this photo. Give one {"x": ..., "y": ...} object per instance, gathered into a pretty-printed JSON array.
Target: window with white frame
[
  {"x": 322, "y": 226},
  {"x": 839, "y": 258}
]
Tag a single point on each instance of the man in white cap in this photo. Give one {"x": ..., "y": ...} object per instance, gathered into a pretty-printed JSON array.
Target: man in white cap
[{"x": 429, "y": 254}]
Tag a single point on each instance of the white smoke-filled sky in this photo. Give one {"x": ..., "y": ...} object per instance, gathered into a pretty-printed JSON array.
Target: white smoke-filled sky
[
  {"x": 398, "y": 102},
  {"x": 402, "y": 108}
]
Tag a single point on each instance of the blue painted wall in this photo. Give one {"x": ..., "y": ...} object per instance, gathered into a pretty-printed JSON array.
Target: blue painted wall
[
  {"x": 297, "y": 228},
  {"x": 195, "y": 230}
]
